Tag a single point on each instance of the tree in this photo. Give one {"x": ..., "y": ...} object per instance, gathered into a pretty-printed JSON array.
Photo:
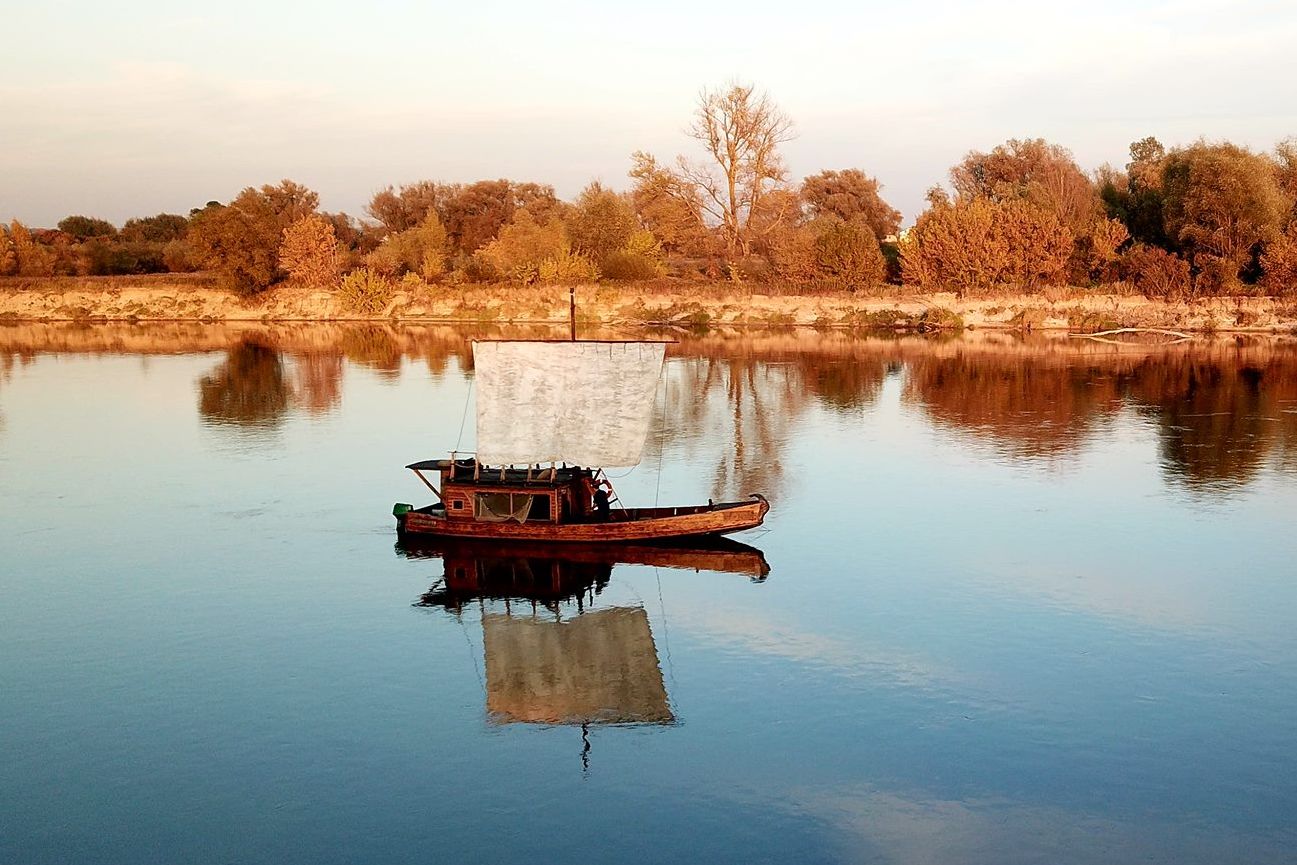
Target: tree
[
  {"x": 1279, "y": 262},
  {"x": 8, "y": 255},
  {"x": 86, "y": 227},
  {"x": 601, "y": 222},
  {"x": 668, "y": 207},
  {"x": 1033, "y": 169},
  {"x": 241, "y": 240},
  {"x": 32, "y": 259},
  {"x": 1285, "y": 159},
  {"x": 1135, "y": 198},
  {"x": 852, "y": 196},
  {"x": 1037, "y": 245},
  {"x": 955, "y": 247},
  {"x": 474, "y": 214},
  {"x": 420, "y": 250},
  {"x": 740, "y": 131},
  {"x": 309, "y": 251},
  {"x": 521, "y": 246},
  {"x": 402, "y": 209},
  {"x": 848, "y": 252},
  {"x": 1221, "y": 202},
  {"x": 163, "y": 228}
]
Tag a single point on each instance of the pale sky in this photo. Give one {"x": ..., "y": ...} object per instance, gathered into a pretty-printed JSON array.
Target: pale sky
[{"x": 137, "y": 107}]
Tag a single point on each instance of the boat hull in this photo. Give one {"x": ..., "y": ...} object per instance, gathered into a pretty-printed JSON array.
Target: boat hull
[{"x": 631, "y": 525}]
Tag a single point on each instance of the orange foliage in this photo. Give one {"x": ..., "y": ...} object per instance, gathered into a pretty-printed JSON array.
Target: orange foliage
[
  {"x": 309, "y": 251},
  {"x": 1279, "y": 263}
]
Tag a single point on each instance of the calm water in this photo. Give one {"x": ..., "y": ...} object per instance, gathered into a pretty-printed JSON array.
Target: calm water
[{"x": 1027, "y": 602}]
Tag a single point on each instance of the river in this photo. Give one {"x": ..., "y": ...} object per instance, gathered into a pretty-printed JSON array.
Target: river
[{"x": 1027, "y": 600}]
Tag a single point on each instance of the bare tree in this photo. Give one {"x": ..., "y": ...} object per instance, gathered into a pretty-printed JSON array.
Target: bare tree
[{"x": 741, "y": 131}]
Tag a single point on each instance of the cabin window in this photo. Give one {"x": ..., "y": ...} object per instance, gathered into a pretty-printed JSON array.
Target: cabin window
[
  {"x": 502, "y": 507},
  {"x": 539, "y": 508},
  {"x": 457, "y": 504}
]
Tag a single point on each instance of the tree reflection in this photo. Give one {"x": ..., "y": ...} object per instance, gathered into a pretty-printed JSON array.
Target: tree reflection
[
  {"x": 248, "y": 390},
  {"x": 1027, "y": 406}
]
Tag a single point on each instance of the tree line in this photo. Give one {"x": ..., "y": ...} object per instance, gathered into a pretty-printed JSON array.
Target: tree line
[{"x": 1208, "y": 218}]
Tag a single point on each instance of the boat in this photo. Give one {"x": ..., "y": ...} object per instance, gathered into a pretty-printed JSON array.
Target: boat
[{"x": 551, "y": 417}]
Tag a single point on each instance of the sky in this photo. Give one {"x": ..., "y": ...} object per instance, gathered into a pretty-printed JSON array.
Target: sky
[{"x": 138, "y": 107}]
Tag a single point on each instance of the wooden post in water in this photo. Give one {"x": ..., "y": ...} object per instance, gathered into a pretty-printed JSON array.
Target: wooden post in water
[{"x": 571, "y": 309}]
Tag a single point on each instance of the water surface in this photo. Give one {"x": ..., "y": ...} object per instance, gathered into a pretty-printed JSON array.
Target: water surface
[{"x": 1027, "y": 600}]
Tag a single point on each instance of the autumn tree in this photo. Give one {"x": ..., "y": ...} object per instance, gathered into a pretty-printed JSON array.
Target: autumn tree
[
  {"x": 241, "y": 240},
  {"x": 1041, "y": 173},
  {"x": 8, "y": 255},
  {"x": 474, "y": 214},
  {"x": 31, "y": 258},
  {"x": 420, "y": 250},
  {"x": 955, "y": 247},
  {"x": 851, "y": 196},
  {"x": 309, "y": 251},
  {"x": 1037, "y": 245},
  {"x": 1221, "y": 202},
  {"x": 848, "y": 252},
  {"x": 400, "y": 209},
  {"x": 163, "y": 228},
  {"x": 668, "y": 206},
  {"x": 528, "y": 250},
  {"x": 601, "y": 222},
  {"x": 740, "y": 131},
  {"x": 86, "y": 227},
  {"x": 1279, "y": 263}
]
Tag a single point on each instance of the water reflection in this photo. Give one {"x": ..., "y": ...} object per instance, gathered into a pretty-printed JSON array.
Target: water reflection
[
  {"x": 248, "y": 390},
  {"x": 1221, "y": 408}
]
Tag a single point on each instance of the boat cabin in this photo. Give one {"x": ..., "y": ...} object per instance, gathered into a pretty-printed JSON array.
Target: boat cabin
[{"x": 472, "y": 491}]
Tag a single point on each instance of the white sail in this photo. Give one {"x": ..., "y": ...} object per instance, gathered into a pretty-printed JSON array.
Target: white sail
[
  {"x": 584, "y": 403},
  {"x": 598, "y": 668}
]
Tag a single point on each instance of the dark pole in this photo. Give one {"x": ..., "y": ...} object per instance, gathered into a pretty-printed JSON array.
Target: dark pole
[{"x": 571, "y": 309}]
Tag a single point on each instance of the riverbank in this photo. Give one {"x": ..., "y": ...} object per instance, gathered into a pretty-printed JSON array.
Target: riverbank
[{"x": 196, "y": 298}]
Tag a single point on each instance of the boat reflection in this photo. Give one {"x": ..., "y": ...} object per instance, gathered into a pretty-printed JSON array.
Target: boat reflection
[
  {"x": 552, "y": 574},
  {"x": 553, "y": 657}
]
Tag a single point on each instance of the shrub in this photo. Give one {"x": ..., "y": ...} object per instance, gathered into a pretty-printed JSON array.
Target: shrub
[
  {"x": 365, "y": 291},
  {"x": 567, "y": 265},
  {"x": 522, "y": 245},
  {"x": 955, "y": 247},
  {"x": 1036, "y": 245},
  {"x": 118, "y": 258},
  {"x": 309, "y": 251},
  {"x": 1156, "y": 272},
  {"x": 849, "y": 252},
  {"x": 420, "y": 250},
  {"x": 178, "y": 256},
  {"x": 631, "y": 265}
]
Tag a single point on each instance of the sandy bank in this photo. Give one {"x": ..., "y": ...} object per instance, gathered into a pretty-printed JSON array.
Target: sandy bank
[{"x": 691, "y": 306}]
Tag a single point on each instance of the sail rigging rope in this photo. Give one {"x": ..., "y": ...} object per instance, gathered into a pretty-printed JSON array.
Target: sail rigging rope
[{"x": 464, "y": 417}]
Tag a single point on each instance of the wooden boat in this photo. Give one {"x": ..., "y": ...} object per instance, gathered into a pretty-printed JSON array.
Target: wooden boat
[{"x": 578, "y": 403}]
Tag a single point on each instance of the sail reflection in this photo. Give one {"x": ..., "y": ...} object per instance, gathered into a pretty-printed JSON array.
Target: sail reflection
[{"x": 553, "y": 654}]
